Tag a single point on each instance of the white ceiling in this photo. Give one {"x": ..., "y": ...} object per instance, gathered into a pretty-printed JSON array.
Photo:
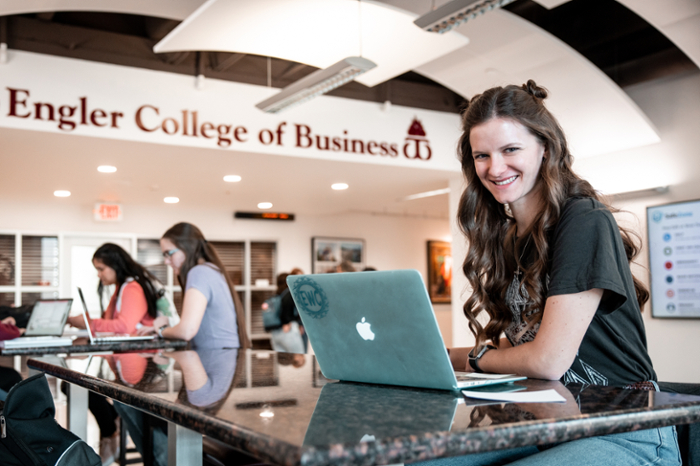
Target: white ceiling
[
  {"x": 34, "y": 164},
  {"x": 597, "y": 115}
]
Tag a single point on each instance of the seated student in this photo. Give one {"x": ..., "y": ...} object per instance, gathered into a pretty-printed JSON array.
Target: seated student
[
  {"x": 135, "y": 296},
  {"x": 550, "y": 267},
  {"x": 212, "y": 315},
  {"x": 287, "y": 337},
  {"x": 133, "y": 303}
]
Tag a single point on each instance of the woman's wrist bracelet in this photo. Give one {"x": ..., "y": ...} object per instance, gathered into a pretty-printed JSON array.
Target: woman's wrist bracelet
[{"x": 160, "y": 331}]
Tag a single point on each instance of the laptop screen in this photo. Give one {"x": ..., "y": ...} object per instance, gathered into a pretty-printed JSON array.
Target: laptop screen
[{"x": 48, "y": 317}]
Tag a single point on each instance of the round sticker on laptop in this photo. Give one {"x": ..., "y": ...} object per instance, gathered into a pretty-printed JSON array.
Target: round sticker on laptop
[{"x": 310, "y": 298}]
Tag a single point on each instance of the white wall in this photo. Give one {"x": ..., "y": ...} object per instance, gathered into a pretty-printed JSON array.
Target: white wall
[{"x": 673, "y": 105}]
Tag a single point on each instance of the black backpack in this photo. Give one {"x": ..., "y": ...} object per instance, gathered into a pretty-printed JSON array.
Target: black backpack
[{"x": 29, "y": 434}]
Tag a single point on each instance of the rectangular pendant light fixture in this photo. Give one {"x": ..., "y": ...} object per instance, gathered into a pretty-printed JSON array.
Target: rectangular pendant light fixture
[
  {"x": 456, "y": 12},
  {"x": 317, "y": 83}
]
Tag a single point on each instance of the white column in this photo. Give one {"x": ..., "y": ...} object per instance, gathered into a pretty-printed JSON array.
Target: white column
[
  {"x": 461, "y": 336},
  {"x": 184, "y": 446},
  {"x": 77, "y": 410}
]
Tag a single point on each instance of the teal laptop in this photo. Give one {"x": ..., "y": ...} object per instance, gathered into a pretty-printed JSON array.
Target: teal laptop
[{"x": 380, "y": 328}]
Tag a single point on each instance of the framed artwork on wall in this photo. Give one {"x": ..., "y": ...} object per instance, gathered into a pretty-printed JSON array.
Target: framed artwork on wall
[
  {"x": 330, "y": 254},
  {"x": 440, "y": 272}
]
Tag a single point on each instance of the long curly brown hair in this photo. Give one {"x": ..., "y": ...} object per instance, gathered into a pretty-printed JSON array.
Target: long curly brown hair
[{"x": 490, "y": 227}]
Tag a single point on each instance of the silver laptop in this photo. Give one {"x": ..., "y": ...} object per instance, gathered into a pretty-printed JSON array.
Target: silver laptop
[
  {"x": 106, "y": 337},
  {"x": 45, "y": 325},
  {"x": 378, "y": 327}
]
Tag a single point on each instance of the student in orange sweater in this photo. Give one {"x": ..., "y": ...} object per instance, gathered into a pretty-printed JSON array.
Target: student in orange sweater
[
  {"x": 133, "y": 303},
  {"x": 134, "y": 300}
]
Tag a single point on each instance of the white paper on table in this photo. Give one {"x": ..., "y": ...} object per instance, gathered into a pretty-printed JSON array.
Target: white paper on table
[{"x": 538, "y": 396}]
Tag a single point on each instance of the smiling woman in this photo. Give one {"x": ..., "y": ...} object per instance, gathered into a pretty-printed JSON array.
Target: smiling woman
[
  {"x": 507, "y": 159},
  {"x": 550, "y": 267}
]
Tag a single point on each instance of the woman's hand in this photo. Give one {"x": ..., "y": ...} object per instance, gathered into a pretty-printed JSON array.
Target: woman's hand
[
  {"x": 459, "y": 357},
  {"x": 160, "y": 322},
  {"x": 157, "y": 323},
  {"x": 76, "y": 321},
  {"x": 145, "y": 330},
  {"x": 9, "y": 320},
  {"x": 286, "y": 328}
]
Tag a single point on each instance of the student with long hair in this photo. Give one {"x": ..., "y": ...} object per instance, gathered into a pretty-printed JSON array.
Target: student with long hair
[
  {"x": 212, "y": 314},
  {"x": 550, "y": 267},
  {"x": 133, "y": 303},
  {"x": 135, "y": 296}
]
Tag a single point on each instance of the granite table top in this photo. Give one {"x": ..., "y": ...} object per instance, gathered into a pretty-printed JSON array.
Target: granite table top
[
  {"x": 280, "y": 408},
  {"x": 82, "y": 345}
]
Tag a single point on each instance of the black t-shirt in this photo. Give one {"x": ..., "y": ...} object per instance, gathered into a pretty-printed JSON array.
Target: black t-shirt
[{"x": 587, "y": 252}]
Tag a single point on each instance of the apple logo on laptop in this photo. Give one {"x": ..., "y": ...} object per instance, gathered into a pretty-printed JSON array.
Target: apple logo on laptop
[{"x": 364, "y": 330}]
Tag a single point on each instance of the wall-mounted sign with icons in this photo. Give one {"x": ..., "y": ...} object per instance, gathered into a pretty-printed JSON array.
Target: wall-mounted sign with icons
[{"x": 674, "y": 259}]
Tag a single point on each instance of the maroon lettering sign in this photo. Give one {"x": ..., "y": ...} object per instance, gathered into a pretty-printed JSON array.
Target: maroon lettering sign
[{"x": 189, "y": 123}]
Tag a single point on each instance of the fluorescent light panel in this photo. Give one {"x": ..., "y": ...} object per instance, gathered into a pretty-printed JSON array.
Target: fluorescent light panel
[
  {"x": 321, "y": 33},
  {"x": 436, "y": 192},
  {"x": 456, "y": 12},
  {"x": 640, "y": 193},
  {"x": 317, "y": 83}
]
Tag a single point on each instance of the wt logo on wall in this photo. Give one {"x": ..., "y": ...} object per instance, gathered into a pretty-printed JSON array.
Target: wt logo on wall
[{"x": 416, "y": 145}]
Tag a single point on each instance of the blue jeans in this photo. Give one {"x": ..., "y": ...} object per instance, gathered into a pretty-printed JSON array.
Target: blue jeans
[
  {"x": 133, "y": 419},
  {"x": 643, "y": 447},
  {"x": 288, "y": 342}
]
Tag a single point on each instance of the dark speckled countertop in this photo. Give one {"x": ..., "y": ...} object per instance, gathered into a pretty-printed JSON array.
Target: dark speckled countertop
[
  {"x": 82, "y": 345},
  {"x": 280, "y": 408}
]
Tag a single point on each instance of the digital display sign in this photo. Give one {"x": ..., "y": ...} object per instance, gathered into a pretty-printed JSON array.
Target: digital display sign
[{"x": 264, "y": 216}]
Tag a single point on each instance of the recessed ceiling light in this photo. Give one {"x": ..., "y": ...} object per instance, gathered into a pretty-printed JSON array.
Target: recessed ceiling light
[
  {"x": 171, "y": 200},
  {"x": 339, "y": 186},
  {"x": 106, "y": 169},
  {"x": 232, "y": 178},
  {"x": 265, "y": 205},
  {"x": 61, "y": 193}
]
